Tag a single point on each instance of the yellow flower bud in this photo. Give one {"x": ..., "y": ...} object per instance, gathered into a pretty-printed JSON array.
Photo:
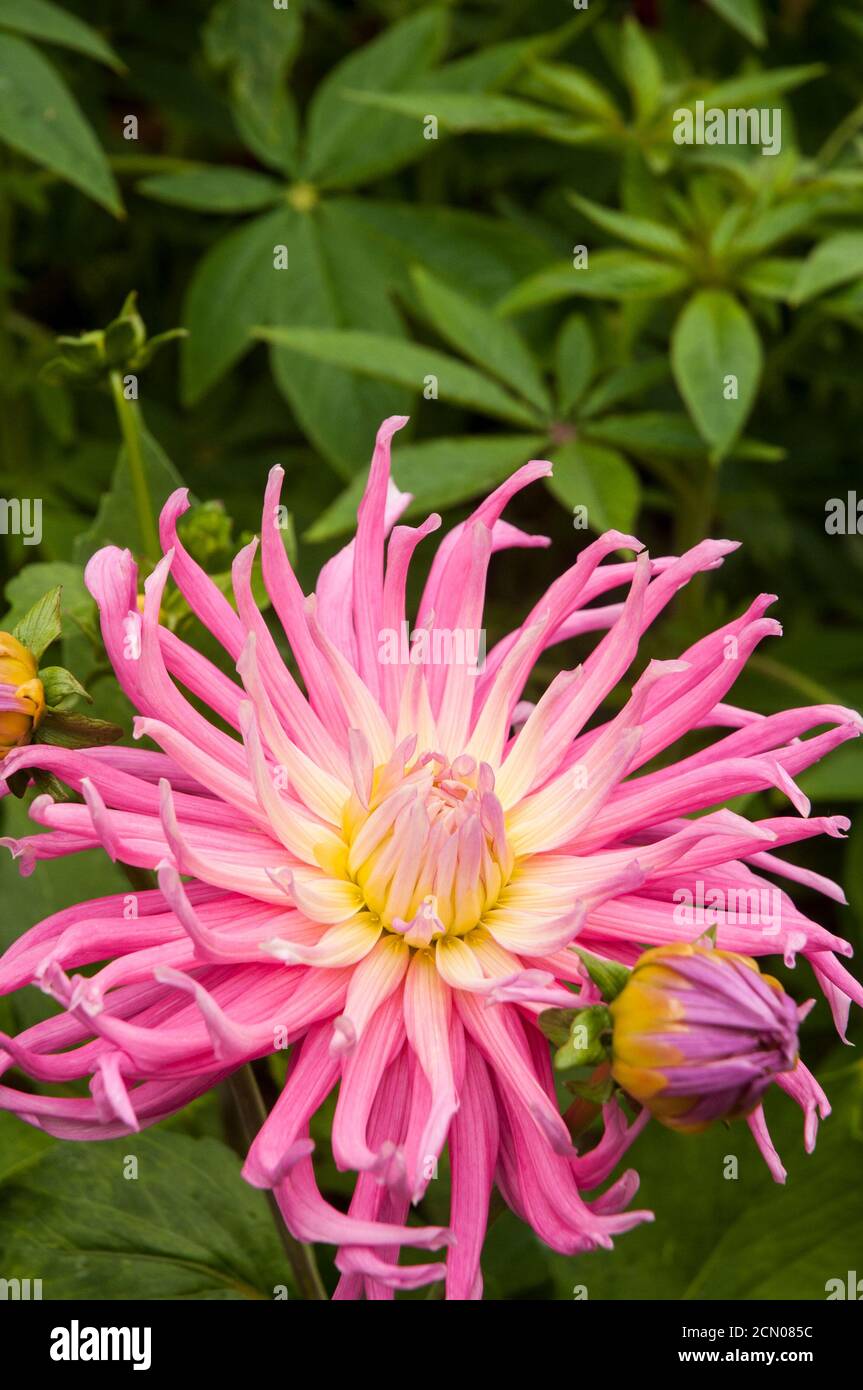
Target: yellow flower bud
[{"x": 22, "y": 697}]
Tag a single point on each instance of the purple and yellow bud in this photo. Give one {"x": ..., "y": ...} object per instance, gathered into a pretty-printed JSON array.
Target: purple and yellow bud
[
  {"x": 700, "y": 1034},
  {"x": 22, "y": 698}
]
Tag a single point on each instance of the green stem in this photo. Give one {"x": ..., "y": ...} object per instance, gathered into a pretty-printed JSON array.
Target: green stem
[
  {"x": 129, "y": 419},
  {"x": 252, "y": 1113}
]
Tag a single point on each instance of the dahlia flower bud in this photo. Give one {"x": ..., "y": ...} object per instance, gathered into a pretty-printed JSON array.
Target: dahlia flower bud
[
  {"x": 699, "y": 1035},
  {"x": 22, "y": 698}
]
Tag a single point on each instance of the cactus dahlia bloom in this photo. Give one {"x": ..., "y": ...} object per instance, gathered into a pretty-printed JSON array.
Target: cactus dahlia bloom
[{"x": 387, "y": 866}]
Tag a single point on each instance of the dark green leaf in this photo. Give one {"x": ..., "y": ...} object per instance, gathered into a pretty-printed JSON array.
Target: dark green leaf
[
  {"x": 40, "y": 118},
  {"x": 598, "y": 478},
  {"x": 347, "y": 145},
  {"x": 214, "y": 190},
  {"x": 575, "y": 361},
  {"x": 42, "y": 20},
  {"x": 184, "y": 1226},
  {"x": 403, "y": 364},
  {"x": 716, "y": 357},
  {"x": 256, "y": 45},
  {"x": 489, "y": 342}
]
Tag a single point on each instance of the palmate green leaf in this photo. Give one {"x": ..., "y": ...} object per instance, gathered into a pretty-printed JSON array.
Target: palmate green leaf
[
  {"x": 186, "y": 1226},
  {"x": 234, "y": 287},
  {"x": 439, "y": 473},
  {"x": 574, "y": 360},
  {"x": 347, "y": 145},
  {"x": 405, "y": 364},
  {"x": 746, "y": 16},
  {"x": 117, "y": 521},
  {"x": 833, "y": 262},
  {"x": 214, "y": 190},
  {"x": 40, "y": 118},
  {"x": 713, "y": 339},
  {"x": 609, "y": 275},
  {"x": 489, "y": 342},
  {"x": 624, "y": 384},
  {"x": 256, "y": 45},
  {"x": 642, "y": 232},
  {"x": 39, "y": 19},
  {"x": 600, "y": 479},
  {"x": 337, "y": 279},
  {"x": 485, "y": 253}
]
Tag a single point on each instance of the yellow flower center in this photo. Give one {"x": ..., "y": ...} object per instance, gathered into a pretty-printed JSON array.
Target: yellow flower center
[{"x": 429, "y": 851}]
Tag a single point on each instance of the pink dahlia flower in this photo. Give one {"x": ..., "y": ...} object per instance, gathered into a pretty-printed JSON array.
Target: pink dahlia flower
[{"x": 387, "y": 866}]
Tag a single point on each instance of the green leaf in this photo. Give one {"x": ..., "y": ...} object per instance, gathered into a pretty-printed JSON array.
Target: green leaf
[
  {"x": 71, "y": 730},
  {"x": 184, "y": 1226},
  {"x": 775, "y": 225},
  {"x": 668, "y": 434},
  {"x": 489, "y": 342},
  {"x": 789, "y": 1246},
  {"x": 642, "y": 70},
  {"x": 574, "y": 88},
  {"x": 41, "y": 624},
  {"x": 833, "y": 262},
  {"x": 754, "y": 88},
  {"x": 32, "y": 582},
  {"x": 117, "y": 521},
  {"x": 740, "y": 1236},
  {"x": 21, "y": 1146},
  {"x": 256, "y": 45},
  {"x": 348, "y": 146},
  {"x": 713, "y": 339},
  {"x": 338, "y": 279},
  {"x": 608, "y": 275},
  {"x": 460, "y": 111},
  {"x": 837, "y": 778},
  {"x": 439, "y": 473},
  {"x": 746, "y": 16},
  {"x": 214, "y": 190},
  {"x": 41, "y": 20},
  {"x": 609, "y": 976},
  {"x": 600, "y": 479},
  {"x": 575, "y": 361},
  {"x": 638, "y": 231},
  {"x": 404, "y": 364},
  {"x": 61, "y": 687},
  {"x": 235, "y": 286},
  {"x": 40, "y": 118},
  {"x": 774, "y": 277},
  {"x": 486, "y": 253},
  {"x": 623, "y": 384}
]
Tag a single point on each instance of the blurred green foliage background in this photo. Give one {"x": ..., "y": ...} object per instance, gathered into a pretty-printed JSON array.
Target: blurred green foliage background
[{"x": 430, "y": 172}]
